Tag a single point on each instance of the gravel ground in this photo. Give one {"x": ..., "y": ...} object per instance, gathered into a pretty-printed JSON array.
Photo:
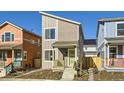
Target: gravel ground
[
  {"x": 84, "y": 76},
  {"x": 108, "y": 76},
  {"x": 45, "y": 74}
]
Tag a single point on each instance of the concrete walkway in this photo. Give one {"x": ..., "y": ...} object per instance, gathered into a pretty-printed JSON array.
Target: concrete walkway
[
  {"x": 91, "y": 78},
  {"x": 68, "y": 74}
]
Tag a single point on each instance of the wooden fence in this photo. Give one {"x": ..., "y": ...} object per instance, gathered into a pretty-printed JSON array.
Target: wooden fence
[{"x": 91, "y": 62}]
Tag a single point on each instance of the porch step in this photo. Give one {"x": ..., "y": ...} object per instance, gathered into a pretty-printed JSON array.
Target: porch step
[
  {"x": 68, "y": 74},
  {"x": 114, "y": 69}
]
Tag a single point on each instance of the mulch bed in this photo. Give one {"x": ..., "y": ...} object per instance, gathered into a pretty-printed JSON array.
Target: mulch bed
[
  {"x": 108, "y": 76},
  {"x": 45, "y": 74},
  {"x": 84, "y": 76}
]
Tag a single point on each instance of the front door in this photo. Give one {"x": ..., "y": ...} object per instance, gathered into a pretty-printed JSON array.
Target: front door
[
  {"x": 71, "y": 57},
  {"x": 17, "y": 59}
]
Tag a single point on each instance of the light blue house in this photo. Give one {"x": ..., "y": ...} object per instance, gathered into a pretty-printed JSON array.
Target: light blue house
[{"x": 110, "y": 43}]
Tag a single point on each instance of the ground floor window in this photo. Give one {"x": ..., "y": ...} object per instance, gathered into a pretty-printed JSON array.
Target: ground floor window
[
  {"x": 49, "y": 55},
  {"x": 3, "y": 56},
  {"x": 112, "y": 52},
  {"x": 24, "y": 55}
]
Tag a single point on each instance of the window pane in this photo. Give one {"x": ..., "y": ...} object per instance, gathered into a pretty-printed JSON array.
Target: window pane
[
  {"x": 2, "y": 38},
  {"x": 113, "y": 52},
  {"x": 51, "y": 56},
  {"x": 7, "y": 36},
  {"x": 48, "y": 55},
  {"x": 47, "y": 35},
  {"x": 12, "y": 37},
  {"x": 120, "y": 32},
  {"x": 120, "y": 26},
  {"x": 52, "y": 33}
]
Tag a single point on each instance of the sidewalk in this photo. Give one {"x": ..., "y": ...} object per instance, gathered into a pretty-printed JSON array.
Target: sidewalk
[
  {"x": 68, "y": 74},
  {"x": 91, "y": 78}
]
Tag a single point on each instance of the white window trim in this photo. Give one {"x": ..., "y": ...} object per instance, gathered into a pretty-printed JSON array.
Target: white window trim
[
  {"x": 117, "y": 30},
  {"x": 52, "y": 55},
  {"x": 55, "y": 33},
  {"x": 10, "y": 36}
]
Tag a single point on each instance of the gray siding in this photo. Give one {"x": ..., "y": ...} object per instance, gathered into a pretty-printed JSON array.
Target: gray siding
[
  {"x": 46, "y": 23},
  {"x": 110, "y": 29},
  {"x": 100, "y": 34},
  {"x": 67, "y": 31}
]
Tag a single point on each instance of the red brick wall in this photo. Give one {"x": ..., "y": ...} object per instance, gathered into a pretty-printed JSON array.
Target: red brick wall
[{"x": 32, "y": 50}]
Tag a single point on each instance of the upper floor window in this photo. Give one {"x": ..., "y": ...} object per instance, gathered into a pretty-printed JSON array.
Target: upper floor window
[
  {"x": 120, "y": 29},
  {"x": 7, "y": 36},
  {"x": 50, "y": 33}
]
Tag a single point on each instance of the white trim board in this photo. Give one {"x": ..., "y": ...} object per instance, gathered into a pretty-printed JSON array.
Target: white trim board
[{"x": 57, "y": 17}]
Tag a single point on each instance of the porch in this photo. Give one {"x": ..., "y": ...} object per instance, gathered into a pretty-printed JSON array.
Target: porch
[
  {"x": 114, "y": 53},
  {"x": 65, "y": 54},
  {"x": 13, "y": 57}
]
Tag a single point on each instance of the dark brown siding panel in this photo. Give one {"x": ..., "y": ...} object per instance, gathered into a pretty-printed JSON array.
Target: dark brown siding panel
[{"x": 33, "y": 50}]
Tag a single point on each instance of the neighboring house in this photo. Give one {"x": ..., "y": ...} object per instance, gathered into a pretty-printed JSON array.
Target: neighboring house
[
  {"x": 90, "y": 49},
  {"x": 62, "y": 41},
  {"x": 18, "y": 48},
  {"x": 110, "y": 43}
]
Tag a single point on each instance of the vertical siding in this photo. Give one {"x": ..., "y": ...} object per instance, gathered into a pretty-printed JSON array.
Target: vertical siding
[
  {"x": 110, "y": 29},
  {"x": 100, "y": 34},
  {"x": 67, "y": 31},
  {"x": 33, "y": 50}
]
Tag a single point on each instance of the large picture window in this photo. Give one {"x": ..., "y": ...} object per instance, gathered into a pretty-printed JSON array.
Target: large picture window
[
  {"x": 50, "y": 33},
  {"x": 48, "y": 55},
  {"x": 120, "y": 29}
]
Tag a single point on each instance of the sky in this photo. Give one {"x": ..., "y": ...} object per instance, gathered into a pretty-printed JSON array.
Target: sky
[{"x": 32, "y": 20}]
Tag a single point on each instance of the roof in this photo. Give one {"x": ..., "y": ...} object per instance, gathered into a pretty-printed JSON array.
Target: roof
[
  {"x": 111, "y": 19},
  {"x": 63, "y": 44},
  {"x": 18, "y": 27},
  {"x": 90, "y": 42},
  {"x": 61, "y": 18}
]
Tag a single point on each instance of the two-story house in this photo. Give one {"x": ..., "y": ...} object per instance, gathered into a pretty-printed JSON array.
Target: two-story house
[
  {"x": 90, "y": 49},
  {"x": 110, "y": 43},
  {"x": 18, "y": 48},
  {"x": 62, "y": 41}
]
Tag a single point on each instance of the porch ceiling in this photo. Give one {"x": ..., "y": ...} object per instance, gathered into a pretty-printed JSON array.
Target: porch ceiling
[
  {"x": 9, "y": 47},
  {"x": 65, "y": 44},
  {"x": 115, "y": 40}
]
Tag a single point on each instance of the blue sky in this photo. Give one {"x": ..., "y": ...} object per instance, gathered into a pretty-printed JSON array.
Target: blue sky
[
  {"x": 32, "y": 20},
  {"x": 28, "y": 20}
]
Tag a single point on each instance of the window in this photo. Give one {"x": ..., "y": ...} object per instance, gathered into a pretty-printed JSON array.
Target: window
[
  {"x": 7, "y": 36},
  {"x": 49, "y": 33},
  {"x": 112, "y": 52},
  {"x": 25, "y": 55},
  {"x": 120, "y": 29},
  {"x": 12, "y": 37},
  {"x": 48, "y": 55},
  {"x": 2, "y": 38}
]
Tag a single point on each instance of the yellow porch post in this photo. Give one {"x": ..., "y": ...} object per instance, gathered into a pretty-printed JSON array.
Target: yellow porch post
[{"x": 12, "y": 56}]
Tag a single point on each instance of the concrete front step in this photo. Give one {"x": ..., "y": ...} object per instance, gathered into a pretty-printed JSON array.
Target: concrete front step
[{"x": 68, "y": 74}]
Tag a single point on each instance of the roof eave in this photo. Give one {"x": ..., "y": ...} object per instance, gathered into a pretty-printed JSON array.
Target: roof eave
[{"x": 61, "y": 18}]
